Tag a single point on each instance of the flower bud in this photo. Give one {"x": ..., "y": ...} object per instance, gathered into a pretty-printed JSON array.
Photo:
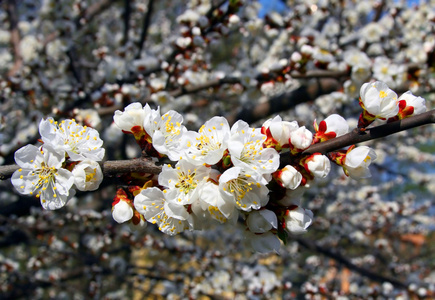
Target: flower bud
[
  {"x": 333, "y": 126},
  {"x": 298, "y": 220},
  {"x": 411, "y": 105},
  {"x": 288, "y": 177},
  {"x": 87, "y": 175},
  {"x": 122, "y": 212},
  {"x": 278, "y": 132},
  {"x": 318, "y": 165},
  {"x": 301, "y": 139}
]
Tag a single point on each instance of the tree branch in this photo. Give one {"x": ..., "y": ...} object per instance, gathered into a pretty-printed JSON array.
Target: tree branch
[
  {"x": 372, "y": 133},
  {"x": 145, "y": 165}
]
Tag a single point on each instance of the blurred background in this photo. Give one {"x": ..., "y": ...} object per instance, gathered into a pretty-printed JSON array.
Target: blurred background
[{"x": 249, "y": 60}]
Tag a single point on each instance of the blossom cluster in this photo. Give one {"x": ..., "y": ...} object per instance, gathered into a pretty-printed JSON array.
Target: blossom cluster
[
  {"x": 68, "y": 158},
  {"x": 222, "y": 173},
  {"x": 219, "y": 172}
]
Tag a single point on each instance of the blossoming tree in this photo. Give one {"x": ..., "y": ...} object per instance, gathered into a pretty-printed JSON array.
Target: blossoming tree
[{"x": 213, "y": 123}]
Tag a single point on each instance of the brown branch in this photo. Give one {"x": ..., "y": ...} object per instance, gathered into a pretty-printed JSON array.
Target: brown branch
[
  {"x": 372, "y": 133},
  {"x": 6, "y": 171},
  {"x": 15, "y": 36},
  {"x": 379, "y": 8},
  {"x": 141, "y": 165},
  {"x": 337, "y": 256},
  {"x": 126, "y": 17}
]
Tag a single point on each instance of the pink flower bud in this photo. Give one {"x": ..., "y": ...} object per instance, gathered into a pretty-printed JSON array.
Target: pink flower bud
[{"x": 301, "y": 138}]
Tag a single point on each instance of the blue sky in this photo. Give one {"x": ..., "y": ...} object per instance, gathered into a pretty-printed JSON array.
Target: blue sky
[{"x": 277, "y": 5}]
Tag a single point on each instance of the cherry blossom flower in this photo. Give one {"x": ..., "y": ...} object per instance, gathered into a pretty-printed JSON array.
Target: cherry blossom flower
[
  {"x": 41, "y": 174},
  {"x": 246, "y": 149},
  {"x": 79, "y": 142},
  {"x": 166, "y": 133},
  {"x": 183, "y": 181},
  {"x": 171, "y": 218},
  {"x": 354, "y": 57},
  {"x": 209, "y": 143},
  {"x": 378, "y": 101},
  {"x": 410, "y": 105},
  {"x": 357, "y": 162},
  {"x": 278, "y": 132},
  {"x": 215, "y": 204},
  {"x": 122, "y": 211},
  {"x": 132, "y": 118},
  {"x": 300, "y": 139},
  {"x": 246, "y": 190}
]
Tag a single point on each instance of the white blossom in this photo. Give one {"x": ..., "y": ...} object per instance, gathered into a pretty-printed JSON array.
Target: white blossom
[
  {"x": 41, "y": 174},
  {"x": 170, "y": 217},
  {"x": 122, "y": 212},
  {"x": 247, "y": 151},
  {"x": 79, "y": 142},
  {"x": 209, "y": 143},
  {"x": 183, "y": 181},
  {"x": 379, "y": 100},
  {"x": 246, "y": 190},
  {"x": 418, "y": 103},
  {"x": 301, "y": 138},
  {"x": 289, "y": 177},
  {"x": 87, "y": 175},
  {"x": 298, "y": 220},
  {"x": 318, "y": 165},
  {"x": 358, "y": 160}
]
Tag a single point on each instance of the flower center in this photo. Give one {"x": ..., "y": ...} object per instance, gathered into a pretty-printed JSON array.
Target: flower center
[{"x": 186, "y": 182}]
